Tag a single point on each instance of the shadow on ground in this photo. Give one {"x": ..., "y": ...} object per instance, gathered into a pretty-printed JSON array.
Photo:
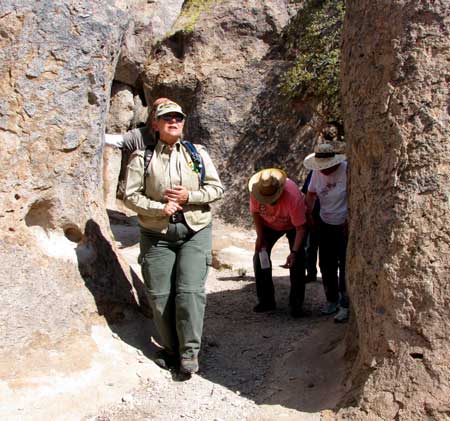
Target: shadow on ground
[
  {"x": 120, "y": 226},
  {"x": 269, "y": 358},
  {"x": 272, "y": 358},
  {"x": 119, "y": 298}
]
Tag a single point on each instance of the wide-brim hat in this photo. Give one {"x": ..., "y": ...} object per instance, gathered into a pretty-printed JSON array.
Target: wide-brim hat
[
  {"x": 168, "y": 107},
  {"x": 324, "y": 156},
  {"x": 267, "y": 185}
]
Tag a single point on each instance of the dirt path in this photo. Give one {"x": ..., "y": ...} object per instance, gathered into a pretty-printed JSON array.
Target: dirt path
[{"x": 253, "y": 366}]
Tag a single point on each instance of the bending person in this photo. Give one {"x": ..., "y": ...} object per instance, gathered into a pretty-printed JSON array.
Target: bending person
[
  {"x": 172, "y": 203},
  {"x": 278, "y": 209}
]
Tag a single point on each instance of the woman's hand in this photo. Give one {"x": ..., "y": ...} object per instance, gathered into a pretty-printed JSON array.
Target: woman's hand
[
  {"x": 171, "y": 207},
  {"x": 178, "y": 194},
  {"x": 290, "y": 261}
]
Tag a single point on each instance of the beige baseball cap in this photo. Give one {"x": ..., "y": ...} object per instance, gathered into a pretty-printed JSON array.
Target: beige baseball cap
[{"x": 168, "y": 107}]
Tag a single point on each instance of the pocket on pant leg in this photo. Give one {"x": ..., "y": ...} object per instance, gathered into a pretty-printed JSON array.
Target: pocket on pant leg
[
  {"x": 208, "y": 263},
  {"x": 192, "y": 272}
]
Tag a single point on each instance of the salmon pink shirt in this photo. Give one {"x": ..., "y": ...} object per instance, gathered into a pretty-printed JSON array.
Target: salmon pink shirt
[{"x": 287, "y": 213}]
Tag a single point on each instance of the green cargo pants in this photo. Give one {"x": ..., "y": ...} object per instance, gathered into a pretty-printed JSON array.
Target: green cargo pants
[{"x": 174, "y": 267}]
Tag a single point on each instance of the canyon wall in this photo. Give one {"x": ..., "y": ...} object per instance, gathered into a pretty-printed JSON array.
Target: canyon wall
[
  {"x": 59, "y": 266},
  {"x": 223, "y": 63},
  {"x": 395, "y": 90}
]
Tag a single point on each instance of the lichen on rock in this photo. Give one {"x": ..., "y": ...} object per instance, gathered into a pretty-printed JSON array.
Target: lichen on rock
[{"x": 190, "y": 13}]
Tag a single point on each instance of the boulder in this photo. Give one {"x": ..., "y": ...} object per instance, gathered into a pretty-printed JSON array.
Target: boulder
[
  {"x": 121, "y": 111},
  {"x": 150, "y": 20},
  {"x": 60, "y": 269},
  {"x": 140, "y": 113}
]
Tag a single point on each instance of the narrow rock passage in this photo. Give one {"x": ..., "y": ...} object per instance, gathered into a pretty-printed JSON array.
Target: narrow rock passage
[{"x": 253, "y": 366}]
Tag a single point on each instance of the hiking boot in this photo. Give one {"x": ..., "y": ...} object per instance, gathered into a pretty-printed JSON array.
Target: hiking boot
[
  {"x": 165, "y": 360},
  {"x": 189, "y": 365},
  {"x": 263, "y": 307},
  {"x": 342, "y": 315},
  {"x": 330, "y": 308}
]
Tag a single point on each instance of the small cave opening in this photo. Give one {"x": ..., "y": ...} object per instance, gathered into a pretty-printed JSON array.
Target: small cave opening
[{"x": 40, "y": 214}]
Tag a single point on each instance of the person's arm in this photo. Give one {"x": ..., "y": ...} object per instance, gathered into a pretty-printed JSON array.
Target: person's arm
[
  {"x": 310, "y": 200},
  {"x": 260, "y": 241},
  {"x": 114, "y": 140},
  {"x": 134, "y": 197},
  {"x": 299, "y": 234}
]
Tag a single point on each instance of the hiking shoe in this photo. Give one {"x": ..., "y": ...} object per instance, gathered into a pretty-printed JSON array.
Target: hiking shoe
[
  {"x": 330, "y": 308},
  {"x": 263, "y": 307},
  {"x": 189, "y": 365},
  {"x": 165, "y": 360},
  {"x": 342, "y": 315}
]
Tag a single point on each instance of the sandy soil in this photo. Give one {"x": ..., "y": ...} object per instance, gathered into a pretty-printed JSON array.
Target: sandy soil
[{"x": 253, "y": 366}]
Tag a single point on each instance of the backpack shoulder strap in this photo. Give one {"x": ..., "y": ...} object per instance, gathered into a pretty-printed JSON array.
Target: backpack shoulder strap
[
  {"x": 148, "y": 153},
  {"x": 196, "y": 159}
]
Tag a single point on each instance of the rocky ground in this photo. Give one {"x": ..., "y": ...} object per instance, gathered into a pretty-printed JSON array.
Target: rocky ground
[{"x": 253, "y": 366}]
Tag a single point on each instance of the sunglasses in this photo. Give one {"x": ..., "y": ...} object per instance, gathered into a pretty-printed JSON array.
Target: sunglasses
[{"x": 169, "y": 117}]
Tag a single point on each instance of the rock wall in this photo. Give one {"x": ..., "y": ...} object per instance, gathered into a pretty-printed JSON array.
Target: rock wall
[
  {"x": 59, "y": 268},
  {"x": 224, "y": 71},
  {"x": 395, "y": 92},
  {"x": 149, "y": 21}
]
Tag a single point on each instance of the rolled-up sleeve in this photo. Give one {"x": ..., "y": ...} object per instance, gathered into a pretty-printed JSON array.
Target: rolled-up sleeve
[
  {"x": 135, "y": 199},
  {"x": 212, "y": 188}
]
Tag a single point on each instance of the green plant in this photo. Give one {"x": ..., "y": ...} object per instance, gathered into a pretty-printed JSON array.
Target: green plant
[
  {"x": 313, "y": 42},
  {"x": 190, "y": 13}
]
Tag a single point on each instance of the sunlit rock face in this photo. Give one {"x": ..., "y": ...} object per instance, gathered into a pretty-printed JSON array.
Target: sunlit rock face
[
  {"x": 149, "y": 21},
  {"x": 225, "y": 72},
  {"x": 395, "y": 93},
  {"x": 59, "y": 268}
]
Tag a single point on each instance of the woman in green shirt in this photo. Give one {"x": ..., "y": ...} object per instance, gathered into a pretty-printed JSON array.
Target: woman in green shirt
[{"x": 174, "y": 215}]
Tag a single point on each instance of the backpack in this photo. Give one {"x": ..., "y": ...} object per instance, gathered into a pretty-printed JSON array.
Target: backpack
[{"x": 199, "y": 168}]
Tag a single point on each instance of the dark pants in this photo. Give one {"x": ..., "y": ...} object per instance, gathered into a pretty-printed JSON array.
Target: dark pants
[
  {"x": 263, "y": 277},
  {"x": 175, "y": 266},
  {"x": 332, "y": 252},
  {"x": 311, "y": 249}
]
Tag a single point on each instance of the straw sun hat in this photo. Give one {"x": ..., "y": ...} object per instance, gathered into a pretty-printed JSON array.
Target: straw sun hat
[
  {"x": 325, "y": 156},
  {"x": 267, "y": 185}
]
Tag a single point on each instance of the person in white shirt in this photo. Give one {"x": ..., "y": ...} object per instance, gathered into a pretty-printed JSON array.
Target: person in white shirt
[{"x": 329, "y": 185}]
